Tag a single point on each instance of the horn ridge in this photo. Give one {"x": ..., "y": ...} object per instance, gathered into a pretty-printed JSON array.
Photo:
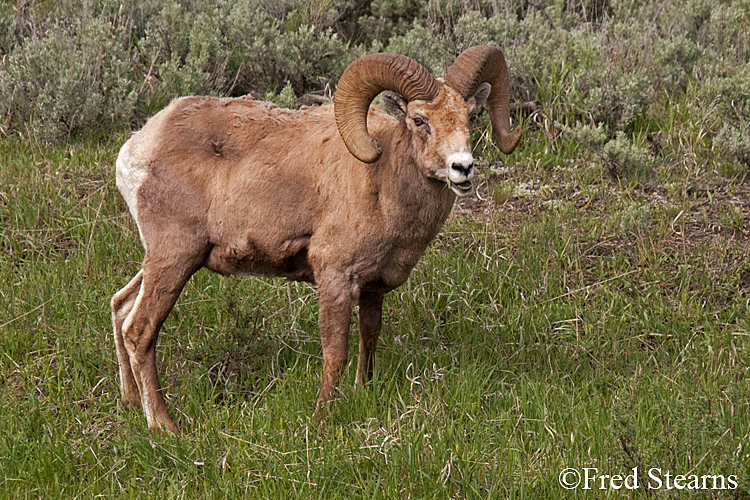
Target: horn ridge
[
  {"x": 479, "y": 64},
  {"x": 361, "y": 82}
]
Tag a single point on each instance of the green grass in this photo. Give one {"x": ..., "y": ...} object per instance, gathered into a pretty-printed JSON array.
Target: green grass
[{"x": 577, "y": 321}]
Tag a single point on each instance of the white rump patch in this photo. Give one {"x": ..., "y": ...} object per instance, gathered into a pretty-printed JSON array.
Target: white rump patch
[{"x": 131, "y": 171}]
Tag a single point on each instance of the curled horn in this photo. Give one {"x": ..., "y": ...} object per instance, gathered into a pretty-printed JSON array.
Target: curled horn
[
  {"x": 475, "y": 66},
  {"x": 362, "y": 81}
]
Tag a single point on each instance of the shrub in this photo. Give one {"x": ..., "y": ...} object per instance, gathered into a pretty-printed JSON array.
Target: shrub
[
  {"x": 108, "y": 64},
  {"x": 74, "y": 79},
  {"x": 730, "y": 90},
  {"x": 586, "y": 135},
  {"x": 184, "y": 51},
  {"x": 728, "y": 30},
  {"x": 266, "y": 58},
  {"x": 312, "y": 60},
  {"x": 588, "y": 11},
  {"x": 734, "y": 142},
  {"x": 75, "y": 66},
  {"x": 421, "y": 44},
  {"x": 388, "y": 18},
  {"x": 617, "y": 100},
  {"x": 635, "y": 219},
  {"x": 624, "y": 159},
  {"x": 8, "y": 24},
  {"x": 673, "y": 63},
  {"x": 474, "y": 29},
  {"x": 284, "y": 99}
]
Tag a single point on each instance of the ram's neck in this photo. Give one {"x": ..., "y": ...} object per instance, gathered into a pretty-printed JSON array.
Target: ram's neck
[{"x": 414, "y": 205}]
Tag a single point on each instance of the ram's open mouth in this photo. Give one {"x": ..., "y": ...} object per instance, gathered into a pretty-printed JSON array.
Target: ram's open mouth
[{"x": 462, "y": 187}]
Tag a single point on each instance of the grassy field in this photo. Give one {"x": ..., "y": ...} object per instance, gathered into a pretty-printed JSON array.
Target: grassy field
[{"x": 568, "y": 318}]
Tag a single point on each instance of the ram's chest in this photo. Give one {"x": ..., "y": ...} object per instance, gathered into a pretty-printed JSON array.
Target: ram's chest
[
  {"x": 405, "y": 240},
  {"x": 395, "y": 270},
  {"x": 398, "y": 253}
]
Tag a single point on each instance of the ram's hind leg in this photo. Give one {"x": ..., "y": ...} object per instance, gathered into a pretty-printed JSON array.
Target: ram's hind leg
[
  {"x": 122, "y": 304},
  {"x": 161, "y": 283}
]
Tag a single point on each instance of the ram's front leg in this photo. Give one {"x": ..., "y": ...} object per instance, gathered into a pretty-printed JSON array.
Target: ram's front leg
[
  {"x": 335, "y": 310},
  {"x": 370, "y": 323}
]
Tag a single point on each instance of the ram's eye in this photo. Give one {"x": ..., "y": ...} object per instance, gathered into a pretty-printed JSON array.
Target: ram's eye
[
  {"x": 472, "y": 117},
  {"x": 418, "y": 121}
]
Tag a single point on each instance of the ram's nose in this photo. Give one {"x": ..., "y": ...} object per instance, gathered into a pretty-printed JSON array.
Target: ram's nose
[
  {"x": 465, "y": 170},
  {"x": 460, "y": 167}
]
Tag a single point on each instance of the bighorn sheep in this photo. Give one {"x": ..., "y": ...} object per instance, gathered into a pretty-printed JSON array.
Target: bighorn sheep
[{"x": 343, "y": 196}]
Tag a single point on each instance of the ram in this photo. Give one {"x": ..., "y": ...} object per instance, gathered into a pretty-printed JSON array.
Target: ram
[{"x": 345, "y": 196}]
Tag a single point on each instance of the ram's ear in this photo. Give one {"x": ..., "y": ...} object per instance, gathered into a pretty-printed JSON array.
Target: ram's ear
[
  {"x": 482, "y": 93},
  {"x": 394, "y": 103}
]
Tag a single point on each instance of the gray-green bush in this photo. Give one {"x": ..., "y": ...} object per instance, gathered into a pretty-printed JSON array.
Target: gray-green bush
[
  {"x": 71, "y": 80},
  {"x": 626, "y": 66}
]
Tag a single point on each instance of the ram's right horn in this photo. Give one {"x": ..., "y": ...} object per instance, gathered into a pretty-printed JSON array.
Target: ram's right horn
[{"x": 475, "y": 66}]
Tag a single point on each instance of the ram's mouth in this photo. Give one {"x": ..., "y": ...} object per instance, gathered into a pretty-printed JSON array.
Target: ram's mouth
[{"x": 464, "y": 188}]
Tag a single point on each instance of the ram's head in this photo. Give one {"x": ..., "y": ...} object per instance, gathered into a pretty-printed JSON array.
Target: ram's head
[{"x": 437, "y": 112}]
